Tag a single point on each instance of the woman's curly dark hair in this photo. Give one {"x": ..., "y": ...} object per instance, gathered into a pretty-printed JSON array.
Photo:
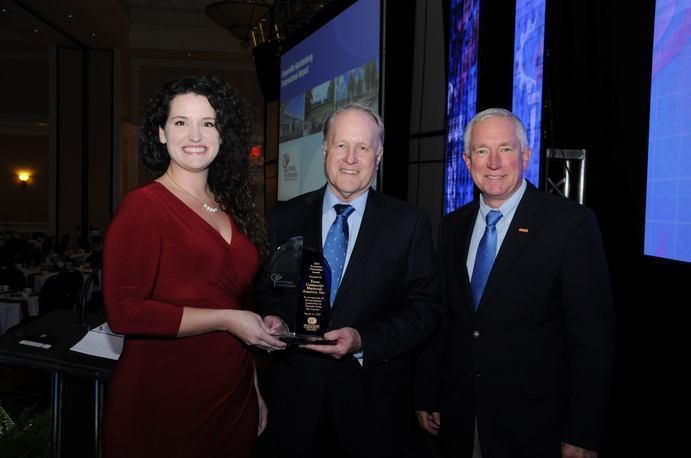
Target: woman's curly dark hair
[{"x": 228, "y": 173}]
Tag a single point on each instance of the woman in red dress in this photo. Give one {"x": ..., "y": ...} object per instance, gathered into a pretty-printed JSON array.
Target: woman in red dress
[{"x": 178, "y": 259}]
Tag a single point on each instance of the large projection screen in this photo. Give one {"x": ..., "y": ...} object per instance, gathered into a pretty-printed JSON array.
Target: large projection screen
[{"x": 336, "y": 65}]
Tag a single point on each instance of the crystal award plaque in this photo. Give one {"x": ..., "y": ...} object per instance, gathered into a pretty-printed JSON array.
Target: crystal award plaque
[{"x": 298, "y": 280}]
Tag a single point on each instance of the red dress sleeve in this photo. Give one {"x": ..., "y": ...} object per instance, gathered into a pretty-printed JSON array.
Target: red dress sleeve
[{"x": 131, "y": 255}]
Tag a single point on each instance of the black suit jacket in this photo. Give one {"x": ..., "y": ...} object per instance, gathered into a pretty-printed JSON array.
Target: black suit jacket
[
  {"x": 389, "y": 293},
  {"x": 533, "y": 364}
]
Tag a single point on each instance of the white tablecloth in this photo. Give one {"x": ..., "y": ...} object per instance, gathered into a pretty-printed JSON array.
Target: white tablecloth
[{"x": 11, "y": 312}]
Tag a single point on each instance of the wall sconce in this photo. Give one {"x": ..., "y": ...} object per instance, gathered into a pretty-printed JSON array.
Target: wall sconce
[{"x": 24, "y": 176}]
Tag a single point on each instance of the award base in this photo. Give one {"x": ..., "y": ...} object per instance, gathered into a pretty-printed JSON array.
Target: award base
[{"x": 292, "y": 338}]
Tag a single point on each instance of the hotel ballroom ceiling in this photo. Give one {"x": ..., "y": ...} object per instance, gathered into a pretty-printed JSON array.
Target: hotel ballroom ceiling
[{"x": 108, "y": 24}]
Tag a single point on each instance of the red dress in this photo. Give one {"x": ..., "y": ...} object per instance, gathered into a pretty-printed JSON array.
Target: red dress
[{"x": 175, "y": 397}]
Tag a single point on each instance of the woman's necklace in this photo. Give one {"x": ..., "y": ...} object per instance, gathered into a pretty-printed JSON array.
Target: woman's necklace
[{"x": 206, "y": 207}]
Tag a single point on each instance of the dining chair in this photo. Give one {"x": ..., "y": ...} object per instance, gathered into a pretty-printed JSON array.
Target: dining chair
[{"x": 61, "y": 291}]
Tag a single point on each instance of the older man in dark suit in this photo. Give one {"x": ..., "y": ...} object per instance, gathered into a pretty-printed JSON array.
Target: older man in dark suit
[
  {"x": 522, "y": 365},
  {"x": 354, "y": 398}
]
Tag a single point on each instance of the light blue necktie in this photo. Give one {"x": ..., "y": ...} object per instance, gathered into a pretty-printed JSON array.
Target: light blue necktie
[
  {"x": 336, "y": 245},
  {"x": 484, "y": 258}
]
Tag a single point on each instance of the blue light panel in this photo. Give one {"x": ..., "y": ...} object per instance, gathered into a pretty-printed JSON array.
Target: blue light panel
[
  {"x": 668, "y": 194},
  {"x": 461, "y": 99},
  {"x": 529, "y": 43}
]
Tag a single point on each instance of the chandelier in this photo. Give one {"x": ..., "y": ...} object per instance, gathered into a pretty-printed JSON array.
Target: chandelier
[{"x": 239, "y": 17}]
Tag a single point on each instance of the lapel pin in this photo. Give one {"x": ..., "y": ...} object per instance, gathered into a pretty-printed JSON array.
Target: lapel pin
[{"x": 523, "y": 229}]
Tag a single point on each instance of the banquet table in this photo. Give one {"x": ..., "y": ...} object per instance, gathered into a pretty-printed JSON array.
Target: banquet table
[{"x": 65, "y": 330}]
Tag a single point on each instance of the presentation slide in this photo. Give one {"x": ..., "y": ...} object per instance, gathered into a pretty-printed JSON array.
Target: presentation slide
[
  {"x": 336, "y": 65},
  {"x": 668, "y": 194}
]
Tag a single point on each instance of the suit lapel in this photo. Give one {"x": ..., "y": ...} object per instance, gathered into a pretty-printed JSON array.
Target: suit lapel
[
  {"x": 459, "y": 253},
  {"x": 364, "y": 244},
  {"x": 312, "y": 221},
  {"x": 523, "y": 227}
]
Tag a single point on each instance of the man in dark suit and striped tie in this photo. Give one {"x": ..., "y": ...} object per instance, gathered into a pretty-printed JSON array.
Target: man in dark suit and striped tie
[
  {"x": 354, "y": 398},
  {"x": 522, "y": 363}
]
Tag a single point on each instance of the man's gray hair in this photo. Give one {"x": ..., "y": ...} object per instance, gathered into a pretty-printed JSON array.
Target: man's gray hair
[
  {"x": 358, "y": 107},
  {"x": 494, "y": 113}
]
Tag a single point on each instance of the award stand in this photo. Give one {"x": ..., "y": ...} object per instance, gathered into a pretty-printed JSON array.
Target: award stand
[{"x": 298, "y": 279}]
